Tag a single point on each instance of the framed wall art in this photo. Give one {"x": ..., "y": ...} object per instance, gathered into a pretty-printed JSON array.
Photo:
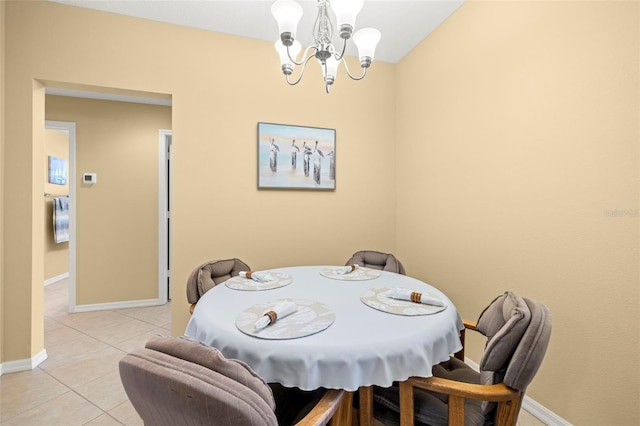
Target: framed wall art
[
  {"x": 296, "y": 157},
  {"x": 57, "y": 171}
]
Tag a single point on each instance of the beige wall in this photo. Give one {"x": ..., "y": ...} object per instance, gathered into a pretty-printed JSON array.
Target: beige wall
[
  {"x": 216, "y": 107},
  {"x": 56, "y": 255},
  {"x": 117, "y": 218},
  {"x": 517, "y": 167}
]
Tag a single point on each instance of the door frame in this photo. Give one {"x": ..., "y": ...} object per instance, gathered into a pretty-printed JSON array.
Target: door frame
[{"x": 164, "y": 215}]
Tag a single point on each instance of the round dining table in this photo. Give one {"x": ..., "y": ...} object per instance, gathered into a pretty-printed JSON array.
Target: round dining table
[{"x": 355, "y": 335}]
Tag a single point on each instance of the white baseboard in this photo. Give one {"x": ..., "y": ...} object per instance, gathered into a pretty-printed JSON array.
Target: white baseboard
[
  {"x": 534, "y": 408},
  {"x": 542, "y": 413},
  {"x": 145, "y": 303},
  {"x": 23, "y": 364},
  {"x": 55, "y": 279}
]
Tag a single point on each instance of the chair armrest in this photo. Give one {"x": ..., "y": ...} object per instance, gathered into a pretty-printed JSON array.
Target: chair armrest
[
  {"x": 469, "y": 325},
  {"x": 497, "y": 392},
  {"x": 508, "y": 399},
  {"x": 324, "y": 409}
]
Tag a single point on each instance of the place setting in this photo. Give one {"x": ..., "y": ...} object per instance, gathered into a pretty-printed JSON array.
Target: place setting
[
  {"x": 258, "y": 280},
  {"x": 285, "y": 319},
  {"x": 403, "y": 301},
  {"x": 353, "y": 272}
]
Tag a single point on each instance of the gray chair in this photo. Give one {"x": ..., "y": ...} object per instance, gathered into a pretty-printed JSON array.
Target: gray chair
[
  {"x": 210, "y": 274},
  {"x": 177, "y": 381},
  {"x": 377, "y": 260},
  {"x": 518, "y": 332}
]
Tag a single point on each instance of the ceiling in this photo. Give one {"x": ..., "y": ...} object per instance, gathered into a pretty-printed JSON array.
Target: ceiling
[{"x": 403, "y": 23}]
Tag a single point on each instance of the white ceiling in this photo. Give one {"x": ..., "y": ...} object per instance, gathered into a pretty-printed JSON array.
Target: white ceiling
[{"x": 403, "y": 23}]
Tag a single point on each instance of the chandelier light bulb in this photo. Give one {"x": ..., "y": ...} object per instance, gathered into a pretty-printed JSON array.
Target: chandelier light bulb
[
  {"x": 287, "y": 13},
  {"x": 330, "y": 69},
  {"x": 366, "y": 40},
  {"x": 346, "y": 12},
  {"x": 285, "y": 61}
]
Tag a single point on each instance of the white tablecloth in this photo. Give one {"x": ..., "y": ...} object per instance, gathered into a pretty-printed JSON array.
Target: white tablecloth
[{"x": 363, "y": 347}]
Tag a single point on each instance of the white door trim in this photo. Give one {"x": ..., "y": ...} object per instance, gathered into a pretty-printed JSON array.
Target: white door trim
[
  {"x": 163, "y": 214},
  {"x": 70, "y": 128}
]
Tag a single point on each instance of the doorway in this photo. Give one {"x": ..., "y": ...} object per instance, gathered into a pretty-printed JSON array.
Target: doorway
[{"x": 119, "y": 262}]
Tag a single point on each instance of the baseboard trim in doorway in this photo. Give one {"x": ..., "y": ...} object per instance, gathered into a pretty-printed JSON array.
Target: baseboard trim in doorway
[
  {"x": 118, "y": 305},
  {"x": 23, "y": 364},
  {"x": 55, "y": 279}
]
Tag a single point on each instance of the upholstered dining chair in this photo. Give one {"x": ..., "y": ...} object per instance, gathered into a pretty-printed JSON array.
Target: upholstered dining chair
[
  {"x": 178, "y": 381},
  {"x": 518, "y": 332},
  {"x": 210, "y": 274},
  {"x": 377, "y": 260}
]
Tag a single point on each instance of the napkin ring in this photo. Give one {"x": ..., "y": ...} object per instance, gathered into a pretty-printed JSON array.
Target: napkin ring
[
  {"x": 248, "y": 274},
  {"x": 416, "y": 297},
  {"x": 353, "y": 268},
  {"x": 273, "y": 316}
]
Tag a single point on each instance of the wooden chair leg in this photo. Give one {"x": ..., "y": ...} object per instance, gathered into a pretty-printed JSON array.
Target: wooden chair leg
[
  {"x": 406, "y": 404},
  {"x": 366, "y": 406},
  {"x": 456, "y": 410},
  {"x": 343, "y": 414},
  {"x": 507, "y": 412}
]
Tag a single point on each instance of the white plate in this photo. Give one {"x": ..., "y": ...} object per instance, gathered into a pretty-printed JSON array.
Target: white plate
[
  {"x": 311, "y": 318},
  {"x": 241, "y": 283},
  {"x": 360, "y": 274},
  {"x": 377, "y": 298}
]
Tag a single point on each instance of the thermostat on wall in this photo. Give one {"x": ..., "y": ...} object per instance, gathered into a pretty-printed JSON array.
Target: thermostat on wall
[{"x": 89, "y": 178}]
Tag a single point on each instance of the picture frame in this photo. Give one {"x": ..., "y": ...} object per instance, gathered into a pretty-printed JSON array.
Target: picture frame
[
  {"x": 296, "y": 157},
  {"x": 57, "y": 171}
]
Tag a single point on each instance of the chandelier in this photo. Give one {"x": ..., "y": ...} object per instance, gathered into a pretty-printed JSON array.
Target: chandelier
[{"x": 288, "y": 13}]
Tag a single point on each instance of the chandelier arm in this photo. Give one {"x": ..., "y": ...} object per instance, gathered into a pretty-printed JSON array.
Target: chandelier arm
[
  {"x": 344, "y": 48},
  {"x": 304, "y": 65},
  {"x": 364, "y": 71},
  {"x": 304, "y": 56}
]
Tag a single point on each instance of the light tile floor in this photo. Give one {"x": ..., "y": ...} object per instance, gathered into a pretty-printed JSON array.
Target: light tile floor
[{"x": 79, "y": 383}]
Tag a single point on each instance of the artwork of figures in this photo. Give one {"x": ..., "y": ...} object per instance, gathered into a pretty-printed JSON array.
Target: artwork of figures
[
  {"x": 57, "y": 171},
  {"x": 296, "y": 157}
]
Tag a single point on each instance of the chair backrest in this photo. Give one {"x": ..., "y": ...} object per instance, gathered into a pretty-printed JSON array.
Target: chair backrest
[
  {"x": 377, "y": 260},
  {"x": 178, "y": 381},
  {"x": 518, "y": 332},
  {"x": 210, "y": 274},
  {"x": 528, "y": 356}
]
